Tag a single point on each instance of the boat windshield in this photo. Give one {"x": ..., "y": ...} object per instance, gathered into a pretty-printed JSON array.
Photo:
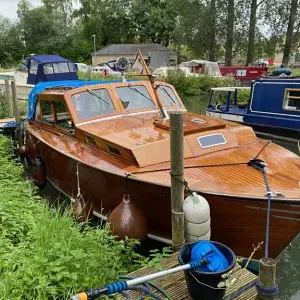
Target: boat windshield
[
  {"x": 92, "y": 103},
  {"x": 167, "y": 96},
  {"x": 135, "y": 97}
]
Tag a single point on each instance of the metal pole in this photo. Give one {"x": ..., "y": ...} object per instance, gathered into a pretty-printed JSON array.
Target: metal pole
[
  {"x": 177, "y": 179},
  {"x": 94, "y": 36}
]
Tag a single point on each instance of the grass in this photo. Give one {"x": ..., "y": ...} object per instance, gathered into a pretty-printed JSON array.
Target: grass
[
  {"x": 44, "y": 254},
  {"x": 4, "y": 106}
]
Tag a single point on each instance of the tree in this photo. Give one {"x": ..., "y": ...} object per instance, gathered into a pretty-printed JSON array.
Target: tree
[
  {"x": 212, "y": 37},
  {"x": 229, "y": 35},
  {"x": 154, "y": 20},
  {"x": 251, "y": 35},
  {"x": 289, "y": 33}
]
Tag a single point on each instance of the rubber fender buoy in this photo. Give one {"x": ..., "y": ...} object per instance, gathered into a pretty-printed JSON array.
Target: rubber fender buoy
[
  {"x": 24, "y": 150},
  {"x": 127, "y": 220},
  {"x": 39, "y": 172}
]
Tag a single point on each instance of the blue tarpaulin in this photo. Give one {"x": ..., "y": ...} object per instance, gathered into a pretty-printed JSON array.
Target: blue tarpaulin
[{"x": 42, "y": 86}]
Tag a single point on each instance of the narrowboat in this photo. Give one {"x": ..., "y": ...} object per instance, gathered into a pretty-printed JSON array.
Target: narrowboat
[
  {"x": 272, "y": 107},
  {"x": 91, "y": 136}
]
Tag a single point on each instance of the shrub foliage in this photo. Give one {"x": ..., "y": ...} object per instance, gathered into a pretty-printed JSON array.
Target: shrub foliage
[{"x": 44, "y": 254}]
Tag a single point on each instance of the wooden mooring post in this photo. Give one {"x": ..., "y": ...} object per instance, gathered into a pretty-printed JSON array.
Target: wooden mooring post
[
  {"x": 177, "y": 179},
  {"x": 9, "y": 98},
  {"x": 267, "y": 276},
  {"x": 15, "y": 101}
]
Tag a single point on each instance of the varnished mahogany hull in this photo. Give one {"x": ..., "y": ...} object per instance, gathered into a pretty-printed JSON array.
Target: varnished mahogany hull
[{"x": 238, "y": 223}]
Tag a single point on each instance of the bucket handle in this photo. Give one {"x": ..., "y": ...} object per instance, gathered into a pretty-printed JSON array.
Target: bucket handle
[{"x": 209, "y": 286}]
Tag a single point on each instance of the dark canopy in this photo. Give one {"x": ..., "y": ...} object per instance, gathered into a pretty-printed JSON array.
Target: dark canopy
[{"x": 43, "y": 68}]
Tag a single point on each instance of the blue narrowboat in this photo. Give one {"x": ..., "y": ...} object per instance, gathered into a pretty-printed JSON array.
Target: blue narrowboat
[{"x": 272, "y": 106}]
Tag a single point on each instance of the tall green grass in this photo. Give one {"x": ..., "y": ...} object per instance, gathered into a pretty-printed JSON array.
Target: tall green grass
[{"x": 44, "y": 254}]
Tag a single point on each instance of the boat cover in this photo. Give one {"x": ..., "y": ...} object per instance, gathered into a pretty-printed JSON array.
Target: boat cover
[{"x": 42, "y": 86}]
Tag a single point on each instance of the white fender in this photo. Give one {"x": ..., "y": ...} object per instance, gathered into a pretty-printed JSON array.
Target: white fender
[{"x": 197, "y": 218}]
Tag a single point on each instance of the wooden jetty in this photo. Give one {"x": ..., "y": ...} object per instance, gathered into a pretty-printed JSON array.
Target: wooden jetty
[{"x": 176, "y": 288}]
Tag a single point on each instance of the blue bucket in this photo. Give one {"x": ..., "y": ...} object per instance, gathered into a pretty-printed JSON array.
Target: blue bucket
[{"x": 204, "y": 285}]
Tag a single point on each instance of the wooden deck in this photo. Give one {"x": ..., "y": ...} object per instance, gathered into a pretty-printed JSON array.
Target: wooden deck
[{"x": 176, "y": 288}]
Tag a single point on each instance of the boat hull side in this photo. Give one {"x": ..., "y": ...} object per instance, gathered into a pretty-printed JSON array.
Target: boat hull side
[{"x": 235, "y": 222}]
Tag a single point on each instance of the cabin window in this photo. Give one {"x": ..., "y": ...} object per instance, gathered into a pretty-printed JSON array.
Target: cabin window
[
  {"x": 63, "y": 119},
  {"x": 167, "y": 96},
  {"x": 291, "y": 100},
  {"x": 211, "y": 140},
  {"x": 72, "y": 67},
  {"x": 48, "y": 69},
  {"x": 93, "y": 103},
  {"x": 46, "y": 114},
  {"x": 135, "y": 97},
  {"x": 61, "y": 68},
  {"x": 33, "y": 67}
]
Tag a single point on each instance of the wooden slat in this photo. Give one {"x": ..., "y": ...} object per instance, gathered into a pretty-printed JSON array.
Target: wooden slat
[{"x": 175, "y": 285}]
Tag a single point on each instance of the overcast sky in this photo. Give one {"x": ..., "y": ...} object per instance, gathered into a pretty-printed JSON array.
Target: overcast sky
[{"x": 8, "y": 8}]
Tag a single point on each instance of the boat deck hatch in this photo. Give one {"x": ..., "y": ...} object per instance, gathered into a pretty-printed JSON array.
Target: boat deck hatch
[{"x": 193, "y": 124}]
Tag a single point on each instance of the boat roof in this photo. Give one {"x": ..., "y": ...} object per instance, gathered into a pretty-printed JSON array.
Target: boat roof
[
  {"x": 42, "y": 86},
  {"x": 44, "y": 59},
  {"x": 230, "y": 88}
]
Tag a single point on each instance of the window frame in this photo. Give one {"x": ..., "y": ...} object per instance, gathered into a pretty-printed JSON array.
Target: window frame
[
  {"x": 179, "y": 104},
  {"x": 54, "y": 116},
  {"x": 135, "y": 84},
  {"x": 286, "y": 98},
  {"x": 213, "y": 145},
  {"x": 93, "y": 88}
]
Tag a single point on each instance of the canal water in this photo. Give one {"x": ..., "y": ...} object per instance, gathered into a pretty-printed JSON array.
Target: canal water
[{"x": 288, "y": 270}]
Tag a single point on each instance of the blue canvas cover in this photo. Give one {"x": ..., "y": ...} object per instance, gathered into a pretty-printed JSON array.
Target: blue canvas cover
[
  {"x": 42, "y": 86},
  {"x": 50, "y": 68}
]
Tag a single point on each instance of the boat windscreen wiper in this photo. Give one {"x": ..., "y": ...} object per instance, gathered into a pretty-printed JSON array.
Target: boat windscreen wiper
[
  {"x": 168, "y": 94},
  {"x": 97, "y": 96},
  {"x": 139, "y": 92}
]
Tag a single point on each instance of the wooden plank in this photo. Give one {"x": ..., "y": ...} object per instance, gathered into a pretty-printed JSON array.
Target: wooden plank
[{"x": 175, "y": 286}]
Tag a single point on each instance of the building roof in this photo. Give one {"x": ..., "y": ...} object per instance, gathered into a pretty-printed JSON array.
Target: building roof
[{"x": 130, "y": 49}]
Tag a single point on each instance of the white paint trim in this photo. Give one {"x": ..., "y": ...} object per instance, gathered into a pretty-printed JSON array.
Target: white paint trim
[
  {"x": 266, "y": 112},
  {"x": 228, "y": 117},
  {"x": 118, "y": 116}
]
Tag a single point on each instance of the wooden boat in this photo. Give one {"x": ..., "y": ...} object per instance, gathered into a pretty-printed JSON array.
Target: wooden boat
[{"x": 111, "y": 129}]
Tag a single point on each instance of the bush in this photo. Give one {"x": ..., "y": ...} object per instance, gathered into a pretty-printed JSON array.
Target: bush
[
  {"x": 44, "y": 254},
  {"x": 3, "y": 106},
  {"x": 191, "y": 85}
]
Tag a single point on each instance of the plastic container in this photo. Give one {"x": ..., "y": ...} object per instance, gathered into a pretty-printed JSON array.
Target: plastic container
[{"x": 203, "y": 285}]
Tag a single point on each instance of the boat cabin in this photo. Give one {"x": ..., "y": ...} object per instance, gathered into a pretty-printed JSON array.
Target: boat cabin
[
  {"x": 40, "y": 68},
  {"x": 273, "y": 103},
  {"x": 77, "y": 112}
]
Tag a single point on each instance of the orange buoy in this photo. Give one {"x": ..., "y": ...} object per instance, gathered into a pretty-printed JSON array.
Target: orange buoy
[
  {"x": 24, "y": 150},
  {"x": 39, "y": 172},
  {"x": 127, "y": 220}
]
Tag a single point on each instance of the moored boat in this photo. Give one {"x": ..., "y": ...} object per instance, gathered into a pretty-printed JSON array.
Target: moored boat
[
  {"x": 109, "y": 129},
  {"x": 272, "y": 108}
]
